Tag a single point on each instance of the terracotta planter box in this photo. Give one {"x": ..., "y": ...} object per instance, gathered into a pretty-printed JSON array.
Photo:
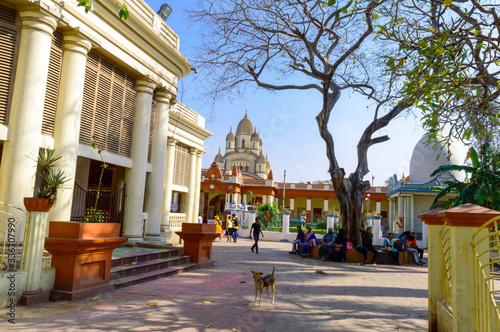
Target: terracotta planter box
[
  {"x": 76, "y": 230},
  {"x": 81, "y": 254},
  {"x": 37, "y": 204},
  {"x": 198, "y": 240}
]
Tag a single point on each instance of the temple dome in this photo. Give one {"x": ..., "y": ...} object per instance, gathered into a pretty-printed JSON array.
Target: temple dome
[
  {"x": 255, "y": 137},
  {"x": 261, "y": 159},
  {"x": 219, "y": 158},
  {"x": 424, "y": 160},
  {"x": 245, "y": 127},
  {"x": 230, "y": 137}
]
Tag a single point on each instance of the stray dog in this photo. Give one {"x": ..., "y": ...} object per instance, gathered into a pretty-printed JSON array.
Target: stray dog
[{"x": 260, "y": 283}]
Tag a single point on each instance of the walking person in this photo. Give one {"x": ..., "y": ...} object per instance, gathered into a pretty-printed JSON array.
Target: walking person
[
  {"x": 218, "y": 227},
  {"x": 236, "y": 226},
  {"x": 257, "y": 230},
  {"x": 229, "y": 229}
]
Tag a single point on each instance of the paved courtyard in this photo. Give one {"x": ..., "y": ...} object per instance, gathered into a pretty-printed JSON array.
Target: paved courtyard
[{"x": 347, "y": 298}]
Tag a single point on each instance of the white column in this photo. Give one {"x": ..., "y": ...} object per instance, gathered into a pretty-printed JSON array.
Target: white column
[
  {"x": 244, "y": 198},
  {"x": 400, "y": 214},
  {"x": 411, "y": 213},
  {"x": 34, "y": 249},
  {"x": 286, "y": 223},
  {"x": 192, "y": 181},
  {"x": 156, "y": 179},
  {"x": 377, "y": 231},
  {"x": 196, "y": 207},
  {"x": 292, "y": 201},
  {"x": 26, "y": 110},
  {"x": 308, "y": 204},
  {"x": 378, "y": 207},
  {"x": 136, "y": 176},
  {"x": 67, "y": 124},
  {"x": 325, "y": 206},
  {"x": 330, "y": 220},
  {"x": 167, "y": 185},
  {"x": 264, "y": 199}
]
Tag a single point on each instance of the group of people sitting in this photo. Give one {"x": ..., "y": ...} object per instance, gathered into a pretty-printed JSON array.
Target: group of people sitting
[{"x": 334, "y": 246}]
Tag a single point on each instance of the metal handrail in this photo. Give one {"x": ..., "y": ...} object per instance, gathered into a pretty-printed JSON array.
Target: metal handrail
[{"x": 12, "y": 253}]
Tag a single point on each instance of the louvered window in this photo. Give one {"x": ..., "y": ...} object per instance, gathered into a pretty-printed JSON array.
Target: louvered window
[
  {"x": 181, "y": 165},
  {"x": 50, "y": 105},
  {"x": 8, "y": 45},
  {"x": 151, "y": 128},
  {"x": 108, "y": 106}
]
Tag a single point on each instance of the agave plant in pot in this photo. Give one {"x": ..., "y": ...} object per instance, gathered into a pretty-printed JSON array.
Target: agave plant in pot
[{"x": 49, "y": 179}]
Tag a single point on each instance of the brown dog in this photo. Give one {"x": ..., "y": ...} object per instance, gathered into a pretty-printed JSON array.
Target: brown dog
[{"x": 266, "y": 281}]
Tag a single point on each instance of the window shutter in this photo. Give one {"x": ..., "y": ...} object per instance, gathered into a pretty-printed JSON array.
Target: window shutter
[
  {"x": 8, "y": 45},
  {"x": 108, "y": 106},
  {"x": 54, "y": 75},
  {"x": 181, "y": 165}
]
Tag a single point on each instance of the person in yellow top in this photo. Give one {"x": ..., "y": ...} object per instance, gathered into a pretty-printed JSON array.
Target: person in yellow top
[
  {"x": 229, "y": 229},
  {"x": 236, "y": 226},
  {"x": 218, "y": 227}
]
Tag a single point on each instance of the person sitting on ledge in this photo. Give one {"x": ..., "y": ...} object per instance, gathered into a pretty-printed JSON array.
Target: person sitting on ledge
[
  {"x": 340, "y": 247},
  {"x": 407, "y": 242},
  {"x": 389, "y": 246},
  {"x": 309, "y": 242},
  {"x": 367, "y": 240},
  {"x": 327, "y": 243},
  {"x": 414, "y": 245},
  {"x": 300, "y": 239}
]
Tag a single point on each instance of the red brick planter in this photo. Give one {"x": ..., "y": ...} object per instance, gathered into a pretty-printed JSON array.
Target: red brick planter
[
  {"x": 81, "y": 254},
  {"x": 198, "y": 240}
]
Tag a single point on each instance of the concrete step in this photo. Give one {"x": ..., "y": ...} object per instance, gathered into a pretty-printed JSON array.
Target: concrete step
[
  {"x": 127, "y": 270},
  {"x": 152, "y": 275},
  {"x": 141, "y": 255}
]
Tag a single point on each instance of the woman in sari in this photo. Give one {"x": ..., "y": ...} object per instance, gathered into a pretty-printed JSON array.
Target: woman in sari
[
  {"x": 309, "y": 242},
  {"x": 218, "y": 227},
  {"x": 389, "y": 246}
]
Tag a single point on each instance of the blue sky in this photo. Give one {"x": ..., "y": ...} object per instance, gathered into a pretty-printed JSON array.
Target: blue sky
[{"x": 286, "y": 122}]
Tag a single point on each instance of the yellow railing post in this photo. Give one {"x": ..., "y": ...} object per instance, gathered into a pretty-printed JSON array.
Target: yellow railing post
[
  {"x": 434, "y": 225},
  {"x": 463, "y": 221}
]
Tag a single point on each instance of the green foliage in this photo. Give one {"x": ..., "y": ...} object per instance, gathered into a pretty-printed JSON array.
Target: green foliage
[
  {"x": 482, "y": 186},
  {"x": 51, "y": 179},
  {"x": 88, "y": 5},
  {"x": 321, "y": 224},
  {"x": 268, "y": 214},
  {"x": 93, "y": 215}
]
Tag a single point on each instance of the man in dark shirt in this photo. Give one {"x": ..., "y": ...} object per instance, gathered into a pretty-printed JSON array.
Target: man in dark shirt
[
  {"x": 300, "y": 239},
  {"x": 367, "y": 240},
  {"x": 256, "y": 232}
]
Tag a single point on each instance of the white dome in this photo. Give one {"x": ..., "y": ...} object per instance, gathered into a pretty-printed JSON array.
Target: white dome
[{"x": 423, "y": 161}]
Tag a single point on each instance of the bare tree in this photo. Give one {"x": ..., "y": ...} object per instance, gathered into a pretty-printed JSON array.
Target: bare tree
[{"x": 303, "y": 45}]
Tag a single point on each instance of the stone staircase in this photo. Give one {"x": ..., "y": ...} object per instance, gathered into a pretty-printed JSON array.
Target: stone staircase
[{"x": 130, "y": 266}]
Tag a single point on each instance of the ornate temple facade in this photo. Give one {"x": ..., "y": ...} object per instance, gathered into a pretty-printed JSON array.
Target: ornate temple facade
[{"x": 243, "y": 176}]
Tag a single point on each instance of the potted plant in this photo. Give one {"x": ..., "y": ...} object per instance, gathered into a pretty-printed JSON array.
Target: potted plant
[{"x": 49, "y": 179}]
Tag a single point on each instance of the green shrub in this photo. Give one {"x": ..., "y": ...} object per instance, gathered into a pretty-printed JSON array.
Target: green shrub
[{"x": 268, "y": 214}]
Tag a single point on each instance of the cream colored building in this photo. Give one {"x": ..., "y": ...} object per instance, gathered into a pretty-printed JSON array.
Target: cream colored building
[{"x": 66, "y": 76}]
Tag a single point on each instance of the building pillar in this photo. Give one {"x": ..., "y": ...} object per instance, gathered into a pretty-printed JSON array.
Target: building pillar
[
  {"x": 264, "y": 199},
  {"x": 68, "y": 115},
  {"x": 325, "y": 206},
  {"x": 390, "y": 217},
  {"x": 156, "y": 179},
  {"x": 292, "y": 202},
  {"x": 26, "y": 111},
  {"x": 286, "y": 223},
  {"x": 167, "y": 185},
  {"x": 412, "y": 213},
  {"x": 401, "y": 212},
  {"x": 192, "y": 185},
  {"x": 330, "y": 220},
  {"x": 197, "y": 189},
  {"x": 136, "y": 176},
  {"x": 378, "y": 207},
  {"x": 308, "y": 210}
]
